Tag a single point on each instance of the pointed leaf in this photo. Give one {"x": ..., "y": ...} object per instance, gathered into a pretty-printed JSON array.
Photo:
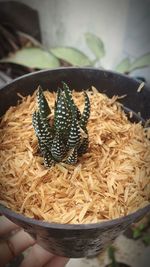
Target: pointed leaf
[
  {"x": 74, "y": 135},
  {"x": 68, "y": 97},
  {"x": 70, "y": 101},
  {"x": 33, "y": 58},
  {"x": 86, "y": 112},
  {"x": 43, "y": 106},
  {"x": 42, "y": 129},
  {"x": 123, "y": 66},
  {"x": 62, "y": 117},
  {"x": 83, "y": 147},
  {"x": 71, "y": 55},
  {"x": 58, "y": 149},
  {"x": 95, "y": 44},
  {"x": 48, "y": 159},
  {"x": 141, "y": 62},
  {"x": 73, "y": 157}
]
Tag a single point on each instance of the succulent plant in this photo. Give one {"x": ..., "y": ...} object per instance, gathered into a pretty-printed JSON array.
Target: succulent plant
[{"x": 65, "y": 137}]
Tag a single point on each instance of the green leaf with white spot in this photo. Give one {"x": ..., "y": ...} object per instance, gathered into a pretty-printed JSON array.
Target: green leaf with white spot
[
  {"x": 95, "y": 44},
  {"x": 62, "y": 119},
  {"x": 86, "y": 112},
  {"x": 33, "y": 58},
  {"x": 71, "y": 55},
  {"x": 44, "y": 108}
]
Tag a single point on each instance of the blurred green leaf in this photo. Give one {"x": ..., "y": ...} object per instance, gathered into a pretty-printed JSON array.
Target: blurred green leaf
[
  {"x": 123, "y": 66},
  {"x": 142, "y": 226},
  {"x": 111, "y": 255},
  {"x": 71, "y": 55},
  {"x": 146, "y": 239},
  {"x": 95, "y": 44},
  {"x": 33, "y": 58},
  {"x": 137, "y": 233},
  {"x": 141, "y": 62}
]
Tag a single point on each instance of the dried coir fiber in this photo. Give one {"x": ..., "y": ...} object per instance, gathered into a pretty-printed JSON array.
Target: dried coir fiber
[{"x": 109, "y": 181}]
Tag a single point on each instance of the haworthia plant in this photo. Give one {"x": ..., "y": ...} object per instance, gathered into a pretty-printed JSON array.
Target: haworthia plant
[{"x": 65, "y": 137}]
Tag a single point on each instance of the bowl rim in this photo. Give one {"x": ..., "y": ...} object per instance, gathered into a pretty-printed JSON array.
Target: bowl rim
[
  {"x": 106, "y": 223},
  {"x": 72, "y": 68},
  {"x": 53, "y": 225}
]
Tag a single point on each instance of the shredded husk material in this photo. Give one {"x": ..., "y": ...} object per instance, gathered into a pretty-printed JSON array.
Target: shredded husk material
[{"x": 109, "y": 181}]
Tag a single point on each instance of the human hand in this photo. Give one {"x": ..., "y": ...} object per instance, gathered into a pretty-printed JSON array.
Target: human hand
[{"x": 14, "y": 240}]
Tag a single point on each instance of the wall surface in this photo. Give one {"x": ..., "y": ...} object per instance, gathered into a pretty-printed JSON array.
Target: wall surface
[
  {"x": 65, "y": 22},
  {"x": 123, "y": 25},
  {"x": 137, "y": 35}
]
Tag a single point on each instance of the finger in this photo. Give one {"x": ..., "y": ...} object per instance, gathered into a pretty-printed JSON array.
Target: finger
[
  {"x": 14, "y": 246},
  {"x": 37, "y": 257},
  {"x": 6, "y": 226},
  {"x": 57, "y": 262}
]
